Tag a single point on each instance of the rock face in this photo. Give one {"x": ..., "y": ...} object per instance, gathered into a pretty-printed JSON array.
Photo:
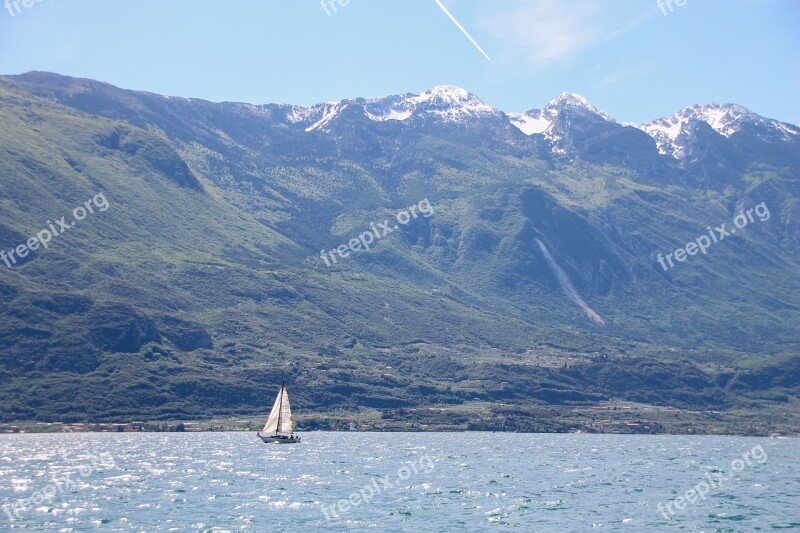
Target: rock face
[{"x": 121, "y": 329}]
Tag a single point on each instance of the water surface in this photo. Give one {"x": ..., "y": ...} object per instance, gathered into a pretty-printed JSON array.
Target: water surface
[{"x": 412, "y": 481}]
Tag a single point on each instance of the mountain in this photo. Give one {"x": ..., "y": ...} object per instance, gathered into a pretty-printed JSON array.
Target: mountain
[
  {"x": 552, "y": 120},
  {"x": 674, "y": 135},
  {"x": 445, "y": 104},
  {"x": 574, "y": 128},
  {"x": 529, "y": 276}
]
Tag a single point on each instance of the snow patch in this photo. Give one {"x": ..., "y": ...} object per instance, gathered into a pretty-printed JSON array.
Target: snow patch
[
  {"x": 329, "y": 112},
  {"x": 530, "y": 122}
]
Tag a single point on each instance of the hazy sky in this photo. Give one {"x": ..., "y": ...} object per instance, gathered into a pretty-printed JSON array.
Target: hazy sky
[{"x": 626, "y": 56}]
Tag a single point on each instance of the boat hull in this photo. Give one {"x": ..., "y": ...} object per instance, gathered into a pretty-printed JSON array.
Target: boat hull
[{"x": 279, "y": 439}]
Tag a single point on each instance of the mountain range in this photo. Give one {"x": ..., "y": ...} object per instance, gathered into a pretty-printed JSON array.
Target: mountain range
[{"x": 532, "y": 296}]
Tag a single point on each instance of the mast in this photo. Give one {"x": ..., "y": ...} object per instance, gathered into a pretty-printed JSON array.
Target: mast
[{"x": 280, "y": 408}]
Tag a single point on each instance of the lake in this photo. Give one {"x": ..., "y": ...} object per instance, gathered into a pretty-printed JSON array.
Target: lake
[{"x": 398, "y": 482}]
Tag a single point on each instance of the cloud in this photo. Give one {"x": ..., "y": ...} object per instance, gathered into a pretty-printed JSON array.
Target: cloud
[{"x": 543, "y": 32}]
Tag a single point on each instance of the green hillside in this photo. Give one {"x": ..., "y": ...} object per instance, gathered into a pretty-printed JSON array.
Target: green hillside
[{"x": 201, "y": 286}]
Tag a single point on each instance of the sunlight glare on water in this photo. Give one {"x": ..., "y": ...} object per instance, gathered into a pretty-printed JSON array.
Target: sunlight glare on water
[{"x": 413, "y": 481}]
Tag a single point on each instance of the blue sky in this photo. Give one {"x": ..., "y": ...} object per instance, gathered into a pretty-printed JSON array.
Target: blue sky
[{"x": 626, "y": 56}]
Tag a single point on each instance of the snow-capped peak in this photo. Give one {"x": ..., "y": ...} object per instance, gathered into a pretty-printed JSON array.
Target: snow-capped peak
[
  {"x": 725, "y": 119},
  {"x": 671, "y": 133},
  {"x": 444, "y": 102},
  {"x": 674, "y": 135},
  {"x": 541, "y": 120},
  {"x": 451, "y": 96},
  {"x": 447, "y": 93},
  {"x": 575, "y": 102}
]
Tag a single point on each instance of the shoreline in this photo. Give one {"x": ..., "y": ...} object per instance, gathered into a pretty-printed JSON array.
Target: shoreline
[
  {"x": 612, "y": 418},
  {"x": 738, "y": 435}
]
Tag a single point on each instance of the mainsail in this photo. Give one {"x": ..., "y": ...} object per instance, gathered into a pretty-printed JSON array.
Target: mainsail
[{"x": 280, "y": 418}]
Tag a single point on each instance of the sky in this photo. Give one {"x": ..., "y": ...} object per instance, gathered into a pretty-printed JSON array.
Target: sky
[{"x": 631, "y": 58}]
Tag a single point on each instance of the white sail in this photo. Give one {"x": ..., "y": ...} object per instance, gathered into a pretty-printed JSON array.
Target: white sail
[
  {"x": 280, "y": 418},
  {"x": 286, "y": 425}
]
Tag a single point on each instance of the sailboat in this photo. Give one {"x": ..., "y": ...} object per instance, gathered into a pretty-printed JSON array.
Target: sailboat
[{"x": 279, "y": 427}]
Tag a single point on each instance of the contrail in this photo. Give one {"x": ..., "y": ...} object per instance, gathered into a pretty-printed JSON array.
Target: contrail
[{"x": 460, "y": 27}]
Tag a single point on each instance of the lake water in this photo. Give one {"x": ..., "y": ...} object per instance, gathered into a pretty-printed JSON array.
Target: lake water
[{"x": 398, "y": 482}]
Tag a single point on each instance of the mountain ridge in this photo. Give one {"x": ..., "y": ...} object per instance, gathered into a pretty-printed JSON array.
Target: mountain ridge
[{"x": 204, "y": 276}]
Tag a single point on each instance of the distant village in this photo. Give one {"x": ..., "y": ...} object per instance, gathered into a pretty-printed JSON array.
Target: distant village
[{"x": 60, "y": 427}]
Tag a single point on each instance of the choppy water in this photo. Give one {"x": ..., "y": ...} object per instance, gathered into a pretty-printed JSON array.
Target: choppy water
[{"x": 450, "y": 482}]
